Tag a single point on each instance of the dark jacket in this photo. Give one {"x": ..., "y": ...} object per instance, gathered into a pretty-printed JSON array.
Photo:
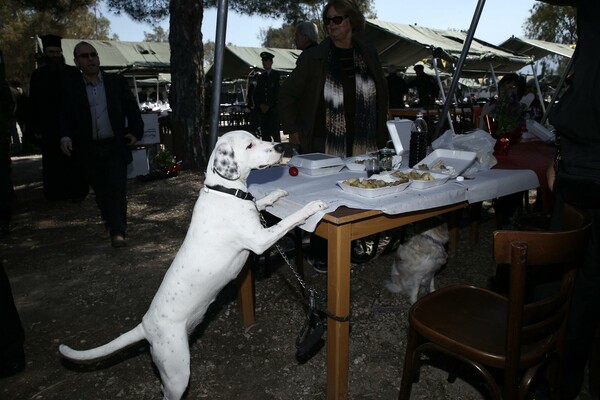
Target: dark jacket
[
  {"x": 124, "y": 114},
  {"x": 267, "y": 89},
  {"x": 46, "y": 89},
  {"x": 302, "y": 92}
]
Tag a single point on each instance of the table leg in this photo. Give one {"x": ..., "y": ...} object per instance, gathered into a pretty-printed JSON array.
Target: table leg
[
  {"x": 453, "y": 221},
  {"x": 246, "y": 293},
  {"x": 338, "y": 303}
]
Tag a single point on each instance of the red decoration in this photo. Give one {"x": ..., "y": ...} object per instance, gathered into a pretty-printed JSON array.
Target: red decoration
[
  {"x": 293, "y": 171},
  {"x": 501, "y": 147}
]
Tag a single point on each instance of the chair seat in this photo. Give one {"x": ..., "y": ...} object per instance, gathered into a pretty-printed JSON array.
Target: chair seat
[{"x": 471, "y": 322}]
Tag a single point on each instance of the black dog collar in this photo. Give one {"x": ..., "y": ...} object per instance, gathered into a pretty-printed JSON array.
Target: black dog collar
[{"x": 234, "y": 192}]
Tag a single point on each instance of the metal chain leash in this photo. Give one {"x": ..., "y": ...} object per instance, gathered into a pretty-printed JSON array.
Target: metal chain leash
[
  {"x": 287, "y": 260},
  {"x": 311, "y": 292}
]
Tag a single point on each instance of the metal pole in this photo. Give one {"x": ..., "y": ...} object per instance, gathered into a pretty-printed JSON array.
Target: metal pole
[
  {"x": 537, "y": 87},
  {"x": 215, "y": 104},
  {"x": 441, "y": 88},
  {"x": 459, "y": 66},
  {"x": 555, "y": 95}
]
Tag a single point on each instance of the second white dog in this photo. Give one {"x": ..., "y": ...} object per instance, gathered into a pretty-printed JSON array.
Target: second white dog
[
  {"x": 224, "y": 229},
  {"x": 418, "y": 260}
]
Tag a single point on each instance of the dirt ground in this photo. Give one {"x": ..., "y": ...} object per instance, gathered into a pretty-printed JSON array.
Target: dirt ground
[{"x": 70, "y": 286}]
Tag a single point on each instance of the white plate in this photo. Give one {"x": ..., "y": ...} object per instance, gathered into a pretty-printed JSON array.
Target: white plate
[
  {"x": 438, "y": 179},
  {"x": 321, "y": 171},
  {"x": 372, "y": 193},
  {"x": 456, "y": 161},
  {"x": 352, "y": 165}
]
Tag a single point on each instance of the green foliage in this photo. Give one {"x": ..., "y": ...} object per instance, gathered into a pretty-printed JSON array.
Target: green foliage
[
  {"x": 164, "y": 159},
  {"x": 282, "y": 38},
  {"x": 509, "y": 113},
  {"x": 158, "y": 35},
  {"x": 148, "y": 11},
  {"x": 552, "y": 23}
]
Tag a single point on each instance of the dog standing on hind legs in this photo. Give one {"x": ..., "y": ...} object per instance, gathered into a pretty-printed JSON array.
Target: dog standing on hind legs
[
  {"x": 224, "y": 228},
  {"x": 417, "y": 260}
]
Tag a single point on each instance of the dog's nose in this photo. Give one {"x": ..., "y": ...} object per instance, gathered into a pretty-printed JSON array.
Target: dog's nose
[{"x": 278, "y": 148}]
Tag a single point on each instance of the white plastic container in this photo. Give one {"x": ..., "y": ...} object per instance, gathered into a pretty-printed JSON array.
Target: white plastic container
[
  {"x": 317, "y": 164},
  {"x": 399, "y": 130}
]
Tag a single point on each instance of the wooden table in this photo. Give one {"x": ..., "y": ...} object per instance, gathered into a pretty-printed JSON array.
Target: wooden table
[
  {"x": 536, "y": 156},
  {"x": 340, "y": 228}
]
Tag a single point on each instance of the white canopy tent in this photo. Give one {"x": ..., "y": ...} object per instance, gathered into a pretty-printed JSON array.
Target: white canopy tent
[
  {"x": 240, "y": 61},
  {"x": 537, "y": 48},
  {"x": 405, "y": 45}
]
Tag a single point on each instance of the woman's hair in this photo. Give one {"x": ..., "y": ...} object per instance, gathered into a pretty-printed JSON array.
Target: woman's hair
[{"x": 347, "y": 8}]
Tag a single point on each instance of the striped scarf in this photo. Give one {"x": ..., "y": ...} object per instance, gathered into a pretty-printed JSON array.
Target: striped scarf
[{"x": 366, "y": 109}]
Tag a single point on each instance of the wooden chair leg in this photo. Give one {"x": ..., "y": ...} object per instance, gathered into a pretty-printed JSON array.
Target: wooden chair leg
[
  {"x": 594, "y": 365},
  {"x": 408, "y": 373}
]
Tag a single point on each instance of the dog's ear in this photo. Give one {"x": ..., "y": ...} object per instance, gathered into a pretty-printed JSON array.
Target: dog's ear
[{"x": 224, "y": 162}]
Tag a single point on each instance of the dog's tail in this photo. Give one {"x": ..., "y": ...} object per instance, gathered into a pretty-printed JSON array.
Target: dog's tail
[{"x": 126, "y": 339}]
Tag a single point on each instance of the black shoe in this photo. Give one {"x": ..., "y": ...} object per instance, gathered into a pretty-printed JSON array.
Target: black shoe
[{"x": 319, "y": 266}]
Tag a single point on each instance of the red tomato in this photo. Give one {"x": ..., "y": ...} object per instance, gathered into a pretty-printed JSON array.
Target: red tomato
[{"x": 293, "y": 171}]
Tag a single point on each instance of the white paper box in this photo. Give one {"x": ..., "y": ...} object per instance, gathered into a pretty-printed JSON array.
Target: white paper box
[
  {"x": 139, "y": 165},
  {"x": 399, "y": 130},
  {"x": 151, "y": 132},
  {"x": 317, "y": 164}
]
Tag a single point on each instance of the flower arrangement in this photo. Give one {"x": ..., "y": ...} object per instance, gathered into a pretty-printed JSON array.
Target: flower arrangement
[
  {"x": 509, "y": 115},
  {"x": 167, "y": 163}
]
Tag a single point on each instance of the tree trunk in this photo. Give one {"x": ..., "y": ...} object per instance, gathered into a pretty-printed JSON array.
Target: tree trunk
[{"x": 187, "y": 81}]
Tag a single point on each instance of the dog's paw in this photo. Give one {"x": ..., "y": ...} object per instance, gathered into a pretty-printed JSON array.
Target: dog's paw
[
  {"x": 392, "y": 287},
  {"x": 270, "y": 199},
  {"x": 315, "y": 206},
  {"x": 278, "y": 194}
]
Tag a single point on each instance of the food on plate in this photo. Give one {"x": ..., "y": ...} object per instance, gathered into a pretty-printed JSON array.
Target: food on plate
[
  {"x": 371, "y": 183},
  {"x": 437, "y": 166},
  {"x": 413, "y": 175},
  {"x": 293, "y": 171}
]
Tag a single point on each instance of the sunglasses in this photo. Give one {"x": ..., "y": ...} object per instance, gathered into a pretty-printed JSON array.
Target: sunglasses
[
  {"x": 338, "y": 19},
  {"x": 86, "y": 55}
]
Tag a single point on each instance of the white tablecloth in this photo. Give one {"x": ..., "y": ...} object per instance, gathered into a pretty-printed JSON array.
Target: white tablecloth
[{"x": 304, "y": 188}]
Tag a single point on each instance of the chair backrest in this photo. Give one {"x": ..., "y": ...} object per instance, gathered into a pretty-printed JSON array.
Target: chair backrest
[{"x": 540, "y": 321}]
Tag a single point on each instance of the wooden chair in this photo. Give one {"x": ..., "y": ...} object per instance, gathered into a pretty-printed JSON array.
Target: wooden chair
[{"x": 507, "y": 337}]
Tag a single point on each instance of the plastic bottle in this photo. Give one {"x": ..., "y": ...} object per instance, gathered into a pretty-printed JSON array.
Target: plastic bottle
[{"x": 418, "y": 141}]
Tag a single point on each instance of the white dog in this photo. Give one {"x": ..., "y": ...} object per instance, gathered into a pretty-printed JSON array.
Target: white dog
[
  {"x": 418, "y": 260},
  {"x": 225, "y": 227}
]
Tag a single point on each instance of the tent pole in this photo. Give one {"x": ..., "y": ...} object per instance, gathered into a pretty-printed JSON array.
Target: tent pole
[
  {"x": 137, "y": 96},
  {"x": 215, "y": 104},
  {"x": 459, "y": 66},
  {"x": 439, "y": 81},
  {"x": 558, "y": 87},
  {"x": 495, "y": 78},
  {"x": 537, "y": 87}
]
